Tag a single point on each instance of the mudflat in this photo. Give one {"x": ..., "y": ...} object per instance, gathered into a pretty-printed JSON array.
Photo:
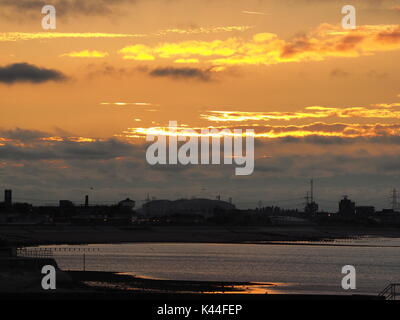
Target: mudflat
[{"x": 25, "y": 235}]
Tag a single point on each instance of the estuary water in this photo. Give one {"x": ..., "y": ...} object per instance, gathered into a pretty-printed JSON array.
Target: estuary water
[{"x": 292, "y": 267}]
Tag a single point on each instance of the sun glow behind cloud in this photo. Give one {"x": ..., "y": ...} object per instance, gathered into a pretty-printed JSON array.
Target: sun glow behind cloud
[
  {"x": 387, "y": 111},
  {"x": 325, "y": 41},
  {"x": 142, "y": 104},
  {"x": 256, "y": 120},
  {"x": 339, "y": 130},
  {"x": 18, "y": 36},
  {"x": 255, "y": 13},
  {"x": 86, "y": 54}
]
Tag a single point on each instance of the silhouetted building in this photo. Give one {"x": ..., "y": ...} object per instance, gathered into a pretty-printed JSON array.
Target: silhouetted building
[
  {"x": 8, "y": 197},
  {"x": 204, "y": 207},
  {"x": 127, "y": 203},
  {"x": 86, "y": 201},
  {"x": 66, "y": 204},
  {"x": 388, "y": 211},
  {"x": 365, "y": 211},
  {"x": 347, "y": 207}
]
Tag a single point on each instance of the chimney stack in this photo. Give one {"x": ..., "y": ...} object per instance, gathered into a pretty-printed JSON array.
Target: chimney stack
[{"x": 8, "y": 197}]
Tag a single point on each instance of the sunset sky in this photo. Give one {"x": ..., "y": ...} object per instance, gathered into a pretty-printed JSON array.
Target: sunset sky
[{"x": 76, "y": 102}]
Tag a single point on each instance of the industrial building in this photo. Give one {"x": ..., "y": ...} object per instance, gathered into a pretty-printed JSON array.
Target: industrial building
[{"x": 204, "y": 207}]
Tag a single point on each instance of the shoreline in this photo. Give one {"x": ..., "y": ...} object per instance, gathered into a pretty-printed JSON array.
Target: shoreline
[
  {"x": 124, "y": 285},
  {"x": 72, "y": 235},
  {"x": 124, "y": 282},
  {"x": 97, "y": 285}
]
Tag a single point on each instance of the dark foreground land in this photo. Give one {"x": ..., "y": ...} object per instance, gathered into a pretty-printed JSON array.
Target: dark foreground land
[
  {"x": 28, "y": 235},
  {"x": 114, "y": 283},
  {"x": 81, "y": 285},
  {"x": 93, "y": 285}
]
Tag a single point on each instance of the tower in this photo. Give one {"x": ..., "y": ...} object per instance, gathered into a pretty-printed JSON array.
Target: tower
[
  {"x": 8, "y": 197},
  {"x": 312, "y": 190},
  {"x": 311, "y": 207},
  {"x": 347, "y": 207},
  {"x": 394, "y": 199}
]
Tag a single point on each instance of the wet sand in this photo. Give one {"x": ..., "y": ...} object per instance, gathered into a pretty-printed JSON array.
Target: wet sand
[
  {"x": 123, "y": 282},
  {"x": 92, "y": 285}
]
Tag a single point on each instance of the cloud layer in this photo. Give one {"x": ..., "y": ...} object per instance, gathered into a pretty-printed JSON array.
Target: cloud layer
[
  {"x": 325, "y": 41},
  {"x": 39, "y": 165},
  {"x": 28, "y": 8},
  {"x": 25, "y": 72},
  {"x": 181, "y": 73}
]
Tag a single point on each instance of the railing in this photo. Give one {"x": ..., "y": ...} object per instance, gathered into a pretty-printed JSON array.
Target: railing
[
  {"x": 391, "y": 291},
  {"x": 38, "y": 253},
  {"x": 51, "y": 252}
]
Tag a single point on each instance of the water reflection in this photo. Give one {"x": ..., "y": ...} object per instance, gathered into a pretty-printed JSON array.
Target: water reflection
[{"x": 252, "y": 288}]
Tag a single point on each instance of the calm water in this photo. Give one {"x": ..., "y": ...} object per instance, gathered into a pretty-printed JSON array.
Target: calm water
[{"x": 295, "y": 268}]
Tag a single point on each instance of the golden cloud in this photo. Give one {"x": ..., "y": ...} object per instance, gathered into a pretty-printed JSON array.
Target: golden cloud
[
  {"x": 70, "y": 139},
  {"x": 203, "y": 30},
  {"x": 137, "y": 52},
  {"x": 17, "y": 36},
  {"x": 231, "y": 120},
  {"x": 324, "y": 42},
  {"x": 382, "y": 111},
  {"x": 140, "y": 104},
  {"x": 340, "y": 130},
  {"x": 86, "y": 54}
]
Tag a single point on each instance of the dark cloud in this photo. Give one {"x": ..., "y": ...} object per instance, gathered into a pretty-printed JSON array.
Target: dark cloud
[
  {"x": 339, "y": 73},
  {"x": 181, "y": 73},
  {"x": 32, "y": 8},
  {"x": 107, "y": 70},
  {"x": 302, "y": 43},
  {"x": 332, "y": 140},
  {"x": 377, "y": 75},
  {"x": 116, "y": 169},
  {"x": 297, "y": 46},
  {"x": 320, "y": 140},
  {"x": 23, "y": 134},
  {"x": 25, "y": 72},
  {"x": 349, "y": 43},
  {"x": 328, "y": 164},
  {"x": 108, "y": 149},
  {"x": 69, "y": 150},
  {"x": 389, "y": 37}
]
